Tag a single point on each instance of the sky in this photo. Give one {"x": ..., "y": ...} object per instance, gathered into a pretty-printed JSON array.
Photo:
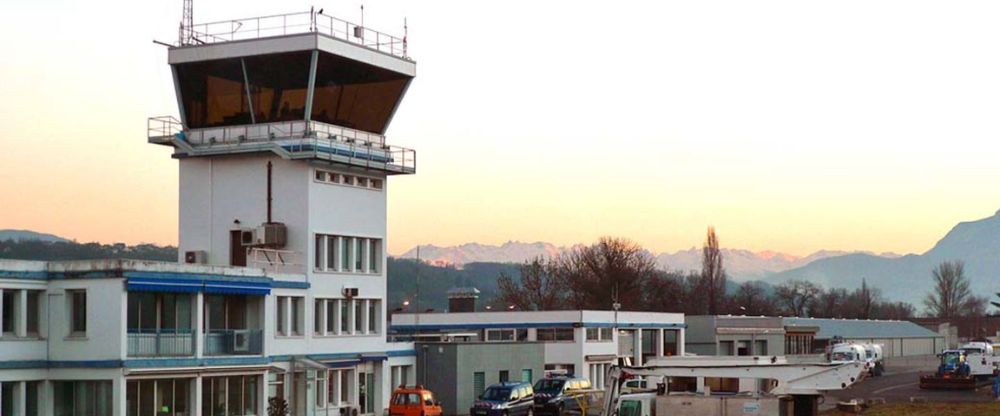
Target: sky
[{"x": 791, "y": 126}]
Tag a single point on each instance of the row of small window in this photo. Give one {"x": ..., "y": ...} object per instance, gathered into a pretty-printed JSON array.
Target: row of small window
[
  {"x": 337, "y": 253},
  {"x": 600, "y": 334},
  {"x": 20, "y": 310},
  {"x": 332, "y": 316},
  {"x": 349, "y": 180},
  {"x": 541, "y": 334},
  {"x": 333, "y": 388},
  {"x": 745, "y": 348}
]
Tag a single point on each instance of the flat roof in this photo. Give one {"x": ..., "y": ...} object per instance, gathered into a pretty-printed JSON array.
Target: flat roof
[
  {"x": 860, "y": 328},
  {"x": 534, "y": 319}
]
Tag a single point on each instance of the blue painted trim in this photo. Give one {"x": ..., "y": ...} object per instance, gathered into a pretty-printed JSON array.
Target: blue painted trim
[
  {"x": 195, "y": 362},
  {"x": 9, "y": 274},
  {"x": 344, "y": 360},
  {"x": 440, "y": 327},
  {"x": 402, "y": 353},
  {"x": 22, "y": 364},
  {"x": 196, "y": 276},
  {"x": 190, "y": 283},
  {"x": 284, "y": 284}
]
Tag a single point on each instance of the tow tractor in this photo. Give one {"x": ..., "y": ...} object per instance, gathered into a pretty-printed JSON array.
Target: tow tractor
[
  {"x": 963, "y": 368},
  {"x": 766, "y": 385}
]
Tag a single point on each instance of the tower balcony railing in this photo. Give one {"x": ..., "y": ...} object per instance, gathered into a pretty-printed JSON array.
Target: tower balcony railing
[
  {"x": 275, "y": 260},
  {"x": 293, "y": 139},
  {"x": 234, "y": 342},
  {"x": 160, "y": 342},
  {"x": 296, "y": 23}
]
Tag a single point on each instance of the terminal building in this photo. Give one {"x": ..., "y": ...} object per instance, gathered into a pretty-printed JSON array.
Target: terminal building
[
  {"x": 468, "y": 351},
  {"x": 280, "y": 287}
]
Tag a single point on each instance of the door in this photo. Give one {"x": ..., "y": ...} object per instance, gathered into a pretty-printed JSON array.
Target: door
[
  {"x": 237, "y": 252},
  {"x": 366, "y": 392}
]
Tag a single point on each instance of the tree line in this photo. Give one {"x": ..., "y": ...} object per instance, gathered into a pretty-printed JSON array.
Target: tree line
[{"x": 617, "y": 270}]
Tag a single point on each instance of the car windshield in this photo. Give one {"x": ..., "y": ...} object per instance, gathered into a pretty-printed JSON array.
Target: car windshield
[
  {"x": 549, "y": 385},
  {"x": 407, "y": 398},
  {"x": 950, "y": 358},
  {"x": 843, "y": 356},
  {"x": 496, "y": 393}
]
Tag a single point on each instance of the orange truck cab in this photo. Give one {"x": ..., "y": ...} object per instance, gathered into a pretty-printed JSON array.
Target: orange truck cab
[{"x": 413, "y": 401}]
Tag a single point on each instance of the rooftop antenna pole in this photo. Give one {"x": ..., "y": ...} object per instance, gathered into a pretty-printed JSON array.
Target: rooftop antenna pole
[
  {"x": 187, "y": 23},
  {"x": 269, "y": 192},
  {"x": 406, "y": 32}
]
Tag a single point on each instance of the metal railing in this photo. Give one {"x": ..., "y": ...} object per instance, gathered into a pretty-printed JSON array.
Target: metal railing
[
  {"x": 234, "y": 342},
  {"x": 297, "y": 23},
  {"x": 297, "y": 138},
  {"x": 160, "y": 343},
  {"x": 274, "y": 260}
]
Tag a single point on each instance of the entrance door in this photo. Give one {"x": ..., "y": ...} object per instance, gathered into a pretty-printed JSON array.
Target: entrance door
[
  {"x": 237, "y": 253},
  {"x": 366, "y": 390}
]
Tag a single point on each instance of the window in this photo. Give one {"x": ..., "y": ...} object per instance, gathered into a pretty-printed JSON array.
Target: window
[
  {"x": 723, "y": 385},
  {"x": 359, "y": 316},
  {"x": 669, "y": 342},
  {"x": 373, "y": 309},
  {"x": 297, "y": 313},
  {"x": 280, "y": 309},
  {"x": 555, "y": 334},
  {"x": 331, "y": 317},
  {"x": 599, "y": 334},
  {"x": 171, "y": 398},
  {"x": 743, "y": 348},
  {"x": 362, "y": 182},
  {"x": 478, "y": 383},
  {"x": 331, "y": 252},
  {"x": 275, "y": 385},
  {"x": 504, "y": 376},
  {"x": 376, "y": 184},
  {"x": 229, "y": 396},
  {"x": 321, "y": 388},
  {"x": 348, "y": 180},
  {"x": 319, "y": 311},
  {"x": 345, "y": 319},
  {"x": 726, "y": 348},
  {"x": 358, "y": 253},
  {"x": 346, "y": 382},
  {"x": 8, "y": 313},
  {"x": 526, "y": 375},
  {"x": 158, "y": 312},
  {"x": 345, "y": 254},
  {"x": 760, "y": 347},
  {"x": 74, "y": 398},
  {"x": 499, "y": 334},
  {"x": 374, "y": 256},
  {"x": 78, "y": 312},
  {"x": 320, "y": 249}
]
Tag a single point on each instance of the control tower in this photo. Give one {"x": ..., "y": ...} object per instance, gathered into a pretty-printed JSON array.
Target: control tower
[{"x": 283, "y": 168}]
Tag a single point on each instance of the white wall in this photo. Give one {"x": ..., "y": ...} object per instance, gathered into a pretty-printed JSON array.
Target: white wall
[{"x": 105, "y": 337}]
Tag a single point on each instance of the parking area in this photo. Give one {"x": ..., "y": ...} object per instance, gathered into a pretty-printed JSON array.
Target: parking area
[{"x": 901, "y": 384}]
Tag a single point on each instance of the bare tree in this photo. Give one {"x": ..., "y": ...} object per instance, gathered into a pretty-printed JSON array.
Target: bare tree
[
  {"x": 538, "y": 289},
  {"x": 665, "y": 292},
  {"x": 713, "y": 275},
  {"x": 864, "y": 300},
  {"x": 974, "y": 306},
  {"x": 797, "y": 297},
  {"x": 951, "y": 290},
  {"x": 611, "y": 266},
  {"x": 750, "y": 299},
  {"x": 831, "y": 304},
  {"x": 894, "y": 310}
]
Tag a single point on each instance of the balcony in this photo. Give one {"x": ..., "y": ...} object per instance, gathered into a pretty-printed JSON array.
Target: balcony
[
  {"x": 234, "y": 342},
  {"x": 160, "y": 343}
]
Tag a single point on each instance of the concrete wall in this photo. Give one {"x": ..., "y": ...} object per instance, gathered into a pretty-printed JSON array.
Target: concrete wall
[{"x": 448, "y": 368}]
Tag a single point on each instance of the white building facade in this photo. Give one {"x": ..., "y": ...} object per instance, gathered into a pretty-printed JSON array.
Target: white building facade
[
  {"x": 280, "y": 290},
  {"x": 580, "y": 342}
]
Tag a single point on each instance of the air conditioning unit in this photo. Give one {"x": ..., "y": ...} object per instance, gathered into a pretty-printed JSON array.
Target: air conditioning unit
[
  {"x": 359, "y": 32},
  {"x": 195, "y": 257},
  {"x": 271, "y": 234},
  {"x": 248, "y": 238},
  {"x": 241, "y": 341},
  {"x": 350, "y": 292}
]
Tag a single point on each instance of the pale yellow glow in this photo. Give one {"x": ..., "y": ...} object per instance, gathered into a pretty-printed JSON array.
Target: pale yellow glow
[{"x": 792, "y": 126}]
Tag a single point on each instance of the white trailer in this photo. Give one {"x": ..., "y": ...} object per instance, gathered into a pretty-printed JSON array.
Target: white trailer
[{"x": 782, "y": 387}]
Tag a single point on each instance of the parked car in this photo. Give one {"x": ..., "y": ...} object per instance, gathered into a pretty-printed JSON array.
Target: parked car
[
  {"x": 413, "y": 401},
  {"x": 505, "y": 399},
  {"x": 557, "y": 394}
]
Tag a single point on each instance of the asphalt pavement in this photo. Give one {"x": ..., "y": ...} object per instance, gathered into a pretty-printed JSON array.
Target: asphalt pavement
[{"x": 899, "y": 385}]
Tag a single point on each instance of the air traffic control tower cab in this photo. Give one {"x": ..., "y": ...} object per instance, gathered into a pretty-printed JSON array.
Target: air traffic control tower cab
[{"x": 305, "y": 98}]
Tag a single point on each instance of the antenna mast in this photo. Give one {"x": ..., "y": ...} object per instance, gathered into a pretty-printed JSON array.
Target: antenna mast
[{"x": 187, "y": 23}]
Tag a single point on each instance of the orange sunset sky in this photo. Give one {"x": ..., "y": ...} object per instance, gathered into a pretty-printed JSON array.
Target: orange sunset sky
[{"x": 788, "y": 125}]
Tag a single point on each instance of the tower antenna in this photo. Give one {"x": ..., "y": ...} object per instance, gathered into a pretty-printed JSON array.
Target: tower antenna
[{"x": 187, "y": 23}]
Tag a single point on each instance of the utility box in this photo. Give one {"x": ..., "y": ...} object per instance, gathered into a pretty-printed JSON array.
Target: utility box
[{"x": 272, "y": 234}]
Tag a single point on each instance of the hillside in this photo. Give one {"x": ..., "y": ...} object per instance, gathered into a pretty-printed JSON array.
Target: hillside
[
  {"x": 28, "y": 235},
  {"x": 908, "y": 278}
]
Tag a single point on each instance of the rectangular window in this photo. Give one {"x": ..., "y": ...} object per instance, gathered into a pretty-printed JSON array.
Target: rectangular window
[
  {"x": 7, "y": 313},
  {"x": 73, "y": 398},
  {"x": 555, "y": 334},
  {"x": 331, "y": 252},
  {"x": 320, "y": 175},
  {"x": 593, "y": 334},
  {"x": 321, "y": 388},
  {"x": 345, "y": 254},
  {"x": 743, "y": 348},
  {"x": 669, "y": 342},
  {"x": 331, "y": 316},
  {"x": 374, "y": 256},
  {"x": 275, "y": 385},
  {"x": 319, "y": 262},
  {"x": 362, "y": 182},
  {"x": 526, "y": 376},
  {"x": 348, "y": 180},
  {"x": 359, "y": 314},
  {"x": 345, "y": 319},
  {"x": 319, "y": 309},
  {"x": 358, "y": 254},
  {"x": 760, "y": 347},
  {"x": 346, "y": 381},
  {"x": 376, "y": 183},
  {"x": 499, "y": 335},
  {"x": 726, "y": 348},
  {"x": 297, "y": 314},
  {"x": 504, "y": 376},
  {"x": 280, "y": 309},
  {"x": 373, "y": 308},
  {"x": 78, "y": 312},
  {"x": 229, "y": 396}
]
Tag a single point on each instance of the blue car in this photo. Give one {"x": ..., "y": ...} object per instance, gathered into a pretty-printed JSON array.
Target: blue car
[
  {"x": 505, "y": 399},
  {"x": 557, "y": 394}
]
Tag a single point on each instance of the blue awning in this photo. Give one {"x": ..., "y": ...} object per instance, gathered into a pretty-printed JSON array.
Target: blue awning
[
  {"x": 237, "y": 288},
  {"x": 379, "y": 357},
  {"x": 342, "y": 364},
  {"x": 137, "y": 284}
]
